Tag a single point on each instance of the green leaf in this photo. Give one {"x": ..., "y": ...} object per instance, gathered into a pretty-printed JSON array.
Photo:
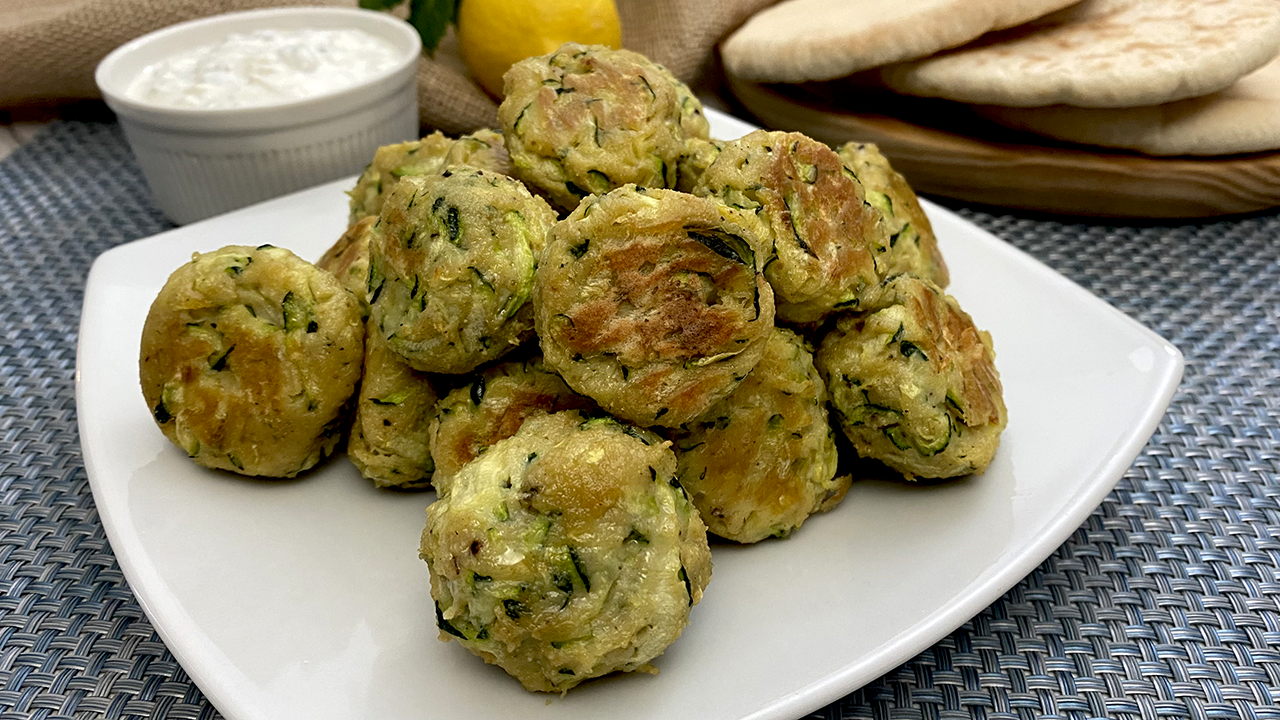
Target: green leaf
[
  {"x": 379, "y": 4},
  {"x": 432, "y": 19}
]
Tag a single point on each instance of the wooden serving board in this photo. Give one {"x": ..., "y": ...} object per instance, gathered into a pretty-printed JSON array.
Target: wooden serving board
[{"x": 986, "y": 164}]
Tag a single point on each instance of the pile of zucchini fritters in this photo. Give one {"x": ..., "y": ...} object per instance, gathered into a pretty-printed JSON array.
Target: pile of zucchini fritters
[{"x": 599, "y": 334}]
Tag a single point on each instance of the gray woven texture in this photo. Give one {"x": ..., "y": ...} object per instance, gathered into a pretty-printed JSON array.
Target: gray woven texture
[{"x": 1164, "y": 604}]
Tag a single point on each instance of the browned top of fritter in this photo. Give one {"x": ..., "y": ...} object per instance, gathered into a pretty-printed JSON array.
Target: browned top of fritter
[
  {"x": 618, "y": 90},
  {"x": 493, "y": 407},
  {"x": 951, "y": 334},
  {"x": 824, "y": 235},
  {"x": 651, "y": 297},
  {"x": 588, "y": 119},
  {"x": 659, "y": 282},
  {"x": 625, "y": 85},
  {"x": 813, "y": 200},
  {"x": 666, "y": 300}
]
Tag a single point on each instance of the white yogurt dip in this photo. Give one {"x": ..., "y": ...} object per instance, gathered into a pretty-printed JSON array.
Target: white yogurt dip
[{"x": 264, "y": 67}]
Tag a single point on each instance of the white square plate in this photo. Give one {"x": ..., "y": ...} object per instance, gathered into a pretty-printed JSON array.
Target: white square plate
[{"x": 306, "y": 599}]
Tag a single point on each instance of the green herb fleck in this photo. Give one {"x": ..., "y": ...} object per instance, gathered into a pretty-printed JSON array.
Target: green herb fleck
[
  {"x": 562, "y": 581},
  {"x": 297, "y": 312},
  {"x": 909, "y": 348},
  {"x": 395, "y": 398},
  {"x": 161, "y": 413},
  {"x": 795, "y": 229},
  {"x": 453, "y": 225},
  {"x": 218, "y": 361},
  {"x": 483, "y": 280},
  {"x": 447, "y": 626},
  {"x": 599, "y": 182},
  {"x": 577, "y": 566},
  {"x": 725, "y": 245},
  {"x": 514, "y": 608}
]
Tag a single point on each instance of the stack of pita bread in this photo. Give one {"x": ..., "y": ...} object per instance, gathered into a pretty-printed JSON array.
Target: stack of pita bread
[{"x": 1161, "y": 77}]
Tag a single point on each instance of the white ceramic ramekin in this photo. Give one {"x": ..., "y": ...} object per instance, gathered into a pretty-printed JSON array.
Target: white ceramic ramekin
[{"x": 201, "y": 163}]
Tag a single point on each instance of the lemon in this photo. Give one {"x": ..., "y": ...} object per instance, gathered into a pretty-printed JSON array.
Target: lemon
[{"x": 493, "y": 35}]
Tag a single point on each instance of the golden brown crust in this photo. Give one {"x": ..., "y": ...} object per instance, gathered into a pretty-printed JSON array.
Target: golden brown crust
[
  {"x": 588, "y": 119},
  {"x": 914, "y": 383},
  {"x": 763, "y": 460},
  {"x": 649, "y": 302},
  {"x": 810, "y": 211},
  {"x": 913, "y": 247},
  {"x": 493, "y": 407},
  {"x": 249, "y": 357}
]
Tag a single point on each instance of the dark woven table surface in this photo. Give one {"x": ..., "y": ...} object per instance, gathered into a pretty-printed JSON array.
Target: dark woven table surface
[{"x": 1164, "y": 604}]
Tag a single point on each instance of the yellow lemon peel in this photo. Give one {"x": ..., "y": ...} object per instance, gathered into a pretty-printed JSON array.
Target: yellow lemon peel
[{"x": 493, "y": 35}]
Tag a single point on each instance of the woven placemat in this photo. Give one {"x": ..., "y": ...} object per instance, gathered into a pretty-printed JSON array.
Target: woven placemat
[{"x": 1164, "y": 604}]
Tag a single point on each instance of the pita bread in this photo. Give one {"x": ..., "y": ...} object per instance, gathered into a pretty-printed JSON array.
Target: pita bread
[
  {"x": 1244, "y": 118},
  {"x": 799, "y": 40},
  {"x": 1105, "y": 53}
]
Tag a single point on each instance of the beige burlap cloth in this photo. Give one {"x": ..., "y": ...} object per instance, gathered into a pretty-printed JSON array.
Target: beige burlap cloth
[{"x": 48, "y": 49}]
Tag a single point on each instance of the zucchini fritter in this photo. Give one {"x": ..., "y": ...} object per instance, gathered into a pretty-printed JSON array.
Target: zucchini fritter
[
  {"x": 451, "y": 266},
  {"x": 566, "y": 552},
  {"x": 388, "y": 443},
  {"x": 914, "y": 383},
  {"x": 650, "y": 303},
  {"x": 809, "y": 211},
  {"x": 587, "y": 119},
  {"x": 698, "y": 156},
  {"x": 492, "y": 407},
  {"x": 348, "y": 260},
  {"x": 912, "y": 247},
  {"x": 482, "y": 149},
  {"x": 249, "y": 357},
  {"x": 763, "y": 460}
]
